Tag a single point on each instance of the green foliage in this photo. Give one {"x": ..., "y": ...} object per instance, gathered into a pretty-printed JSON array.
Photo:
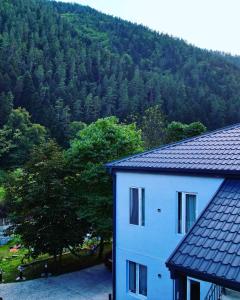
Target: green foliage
[
  {"x": 74, "y": 128},
  {"x": 41, "y": 204},
  {"x": 18, "y": 137},
  {"x": 95, "y": 145},
  {"x": 6, "y": 105},
  {"x": 9, "y": 264},
  {"x": 69, "y": 262},
  {"x": 177, "y": 131},
  {"x": 2, "y": 194},
  {"x": 195, "y": 128},
  {"x": 61, "y": 124},
  {"x": 153, "y": 125},
  {"x": 66, "y": 62}
]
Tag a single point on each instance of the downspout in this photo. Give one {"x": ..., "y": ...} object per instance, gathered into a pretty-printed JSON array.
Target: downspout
[{"x": 114, "y": 236}]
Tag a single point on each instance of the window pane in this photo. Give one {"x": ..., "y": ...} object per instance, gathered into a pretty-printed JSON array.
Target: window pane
[
  {"x": 190, "y": 211},
  {"x": 179, "y": 212},
  {"x": 132, "y": 277},
  {"x": 134, "y": 206},
  {"x": 143, "y": 207},
  {"x": 143, "y": 280},
  {"x": 194, "y": 290}
]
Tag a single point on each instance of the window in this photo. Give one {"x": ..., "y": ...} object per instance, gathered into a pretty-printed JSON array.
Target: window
[
  {"x": 137, "y": 278},
  {"x": 186, "y": 211},
  {"x": 137, "y": 206},
  {"x": 194, "y": 290}
]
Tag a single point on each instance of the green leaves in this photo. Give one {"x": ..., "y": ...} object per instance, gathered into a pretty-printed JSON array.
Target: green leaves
[
  {"x": 177, "y": 131},
  {"x": 42, "y": 206},
  {"x": 18, "y": 137},
  {"x": 95, "y": 145}
]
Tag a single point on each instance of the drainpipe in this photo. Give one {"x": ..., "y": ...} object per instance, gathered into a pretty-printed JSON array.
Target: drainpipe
[{"x": 114, "y": 272}]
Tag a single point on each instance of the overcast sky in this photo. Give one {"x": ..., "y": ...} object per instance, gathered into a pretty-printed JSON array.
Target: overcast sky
[{"x": 211, "y": 24}]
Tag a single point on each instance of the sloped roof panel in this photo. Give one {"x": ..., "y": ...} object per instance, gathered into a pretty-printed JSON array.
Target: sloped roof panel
[
  {"x": 212, "y": 246},
  {"x": 215, "y": 151}
]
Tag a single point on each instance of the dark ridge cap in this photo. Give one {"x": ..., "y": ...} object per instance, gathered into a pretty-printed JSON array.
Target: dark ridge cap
[{"x": 113, "y": 163}]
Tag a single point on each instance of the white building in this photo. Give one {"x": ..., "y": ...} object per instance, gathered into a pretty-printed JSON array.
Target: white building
[{"x": 158, "y": 196}]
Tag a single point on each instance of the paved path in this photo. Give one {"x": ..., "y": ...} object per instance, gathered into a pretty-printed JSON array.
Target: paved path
[{"x": 89, "y": 284}]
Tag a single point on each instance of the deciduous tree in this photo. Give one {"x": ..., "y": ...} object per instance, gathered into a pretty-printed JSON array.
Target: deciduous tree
[
  {"x": 177, "y": 131},
  {"x": 18, "y": 137},
  {"x": 95, "y": 145},
  {"x": 42, "y": 206}
]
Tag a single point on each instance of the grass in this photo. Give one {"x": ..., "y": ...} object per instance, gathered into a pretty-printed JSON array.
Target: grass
[
  {"x": 9, "y": 264},
  {"x": 69, "y": 263}
]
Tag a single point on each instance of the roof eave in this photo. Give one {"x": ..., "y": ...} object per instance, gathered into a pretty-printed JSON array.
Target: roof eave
[
  {"x": 213, "y": 172},
  {"x": 234, "y": 285}
]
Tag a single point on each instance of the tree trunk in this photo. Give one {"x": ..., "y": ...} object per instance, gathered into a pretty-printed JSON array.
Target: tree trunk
[
  {"x": 60, "y": 258},
  {"x": 101, "y": 248},
  {"x": 55, "y": 256}
]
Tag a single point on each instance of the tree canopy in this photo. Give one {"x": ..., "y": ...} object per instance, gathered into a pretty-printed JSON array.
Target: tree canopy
[
  {"x": 177, "y": 131},
  {"x": 41, "y": 203},
  {"x": 18, "y": 137},
  {"x": 95, "y": 145}
]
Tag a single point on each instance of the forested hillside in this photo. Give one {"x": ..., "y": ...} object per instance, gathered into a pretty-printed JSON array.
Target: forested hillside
[{"x": 65, "y": 63}]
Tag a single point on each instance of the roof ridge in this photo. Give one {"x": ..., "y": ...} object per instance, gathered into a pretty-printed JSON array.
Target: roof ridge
[{"x": 166, "y": 146}]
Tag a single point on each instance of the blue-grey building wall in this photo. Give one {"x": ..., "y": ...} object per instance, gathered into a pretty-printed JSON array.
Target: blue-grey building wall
[{"x": 152, "y": 244}]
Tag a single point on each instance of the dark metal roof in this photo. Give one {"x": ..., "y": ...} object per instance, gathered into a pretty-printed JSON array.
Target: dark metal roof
[
  {"x": 211, "y": 250},
  {"x": 214, "y": 152}
]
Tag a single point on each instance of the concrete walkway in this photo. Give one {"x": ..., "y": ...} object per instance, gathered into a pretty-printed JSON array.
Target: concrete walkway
[{"x": 89, "y": 284}]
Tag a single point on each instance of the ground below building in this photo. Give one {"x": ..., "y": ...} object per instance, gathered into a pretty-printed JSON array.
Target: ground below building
[{"x": 90, "y": 284}]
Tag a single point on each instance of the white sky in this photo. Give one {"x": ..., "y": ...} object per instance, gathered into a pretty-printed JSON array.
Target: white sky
[{"x": 211, "y": 24}]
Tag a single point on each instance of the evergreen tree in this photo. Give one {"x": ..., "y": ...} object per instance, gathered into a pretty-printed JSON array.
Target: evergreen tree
[
  {"x": 6, "y": 105},
  {"x": 153, "y": 125},
  {"x": 110, "y": 67},
  {"x": 61, "y": 123}
]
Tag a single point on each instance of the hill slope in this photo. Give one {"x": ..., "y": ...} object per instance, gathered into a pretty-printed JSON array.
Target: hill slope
[{"x": 65, "y": 62}]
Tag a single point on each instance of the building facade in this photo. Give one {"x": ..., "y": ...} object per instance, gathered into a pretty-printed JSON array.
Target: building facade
[
  {"x": 150, "y": 241},
  {"x": 158, "y": 196}
]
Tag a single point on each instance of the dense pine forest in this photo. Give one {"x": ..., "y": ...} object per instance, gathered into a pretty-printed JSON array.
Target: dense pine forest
[{"x": 65, "y": 62}]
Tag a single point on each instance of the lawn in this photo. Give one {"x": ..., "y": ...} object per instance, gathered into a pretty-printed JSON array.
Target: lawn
[
  {"x": 69, "y": 263},
  {"x": 8, "y": 263}
]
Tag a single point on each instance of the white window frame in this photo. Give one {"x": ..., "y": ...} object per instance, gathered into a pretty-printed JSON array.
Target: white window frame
[
  {"x": 140, "y": 296},
  {"x": 141, "y": 198},
  {"x": 183, "y": 225}
]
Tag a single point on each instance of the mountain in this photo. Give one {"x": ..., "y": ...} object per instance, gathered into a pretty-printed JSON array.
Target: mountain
[
  {"x": 235, "y": 59},
  {"x": 67, "y": 62}
]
